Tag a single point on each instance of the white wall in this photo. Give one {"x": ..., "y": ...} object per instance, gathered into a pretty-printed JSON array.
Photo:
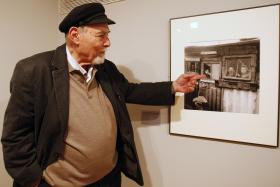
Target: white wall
[
  {"x": 140, "y": 46},
  {"x": 27, "y": 27}
]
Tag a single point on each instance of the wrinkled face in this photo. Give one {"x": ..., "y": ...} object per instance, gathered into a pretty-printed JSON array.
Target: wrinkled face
[{"x": 93, "y": 42}]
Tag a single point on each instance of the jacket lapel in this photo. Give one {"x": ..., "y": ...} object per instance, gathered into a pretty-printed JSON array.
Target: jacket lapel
[
  {"x": 104, "y": 81},
  {"x": 61, "y": 84},
  {"x": 106, "y": 85}
]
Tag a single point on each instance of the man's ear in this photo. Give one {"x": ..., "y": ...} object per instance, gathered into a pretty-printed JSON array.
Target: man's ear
[{"x": 74, "y": 35}]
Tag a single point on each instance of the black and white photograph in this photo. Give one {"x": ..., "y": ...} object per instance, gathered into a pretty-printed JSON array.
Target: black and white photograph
[{"x": 232, "y": 75}]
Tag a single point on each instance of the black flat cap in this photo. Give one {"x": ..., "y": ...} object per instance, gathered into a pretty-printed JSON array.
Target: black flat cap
[{"x": 86, "y": 14}]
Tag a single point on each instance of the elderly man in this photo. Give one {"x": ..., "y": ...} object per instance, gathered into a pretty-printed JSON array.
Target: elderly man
[{"x": 66, "y": 123}]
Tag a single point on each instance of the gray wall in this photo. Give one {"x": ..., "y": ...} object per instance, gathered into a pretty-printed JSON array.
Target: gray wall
[
  {"x": 27, "y": 27},
  {"x": 140, "y": 48}
]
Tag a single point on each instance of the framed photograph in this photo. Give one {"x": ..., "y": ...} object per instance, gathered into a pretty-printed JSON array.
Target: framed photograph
[{"x": 238, "y": 51}]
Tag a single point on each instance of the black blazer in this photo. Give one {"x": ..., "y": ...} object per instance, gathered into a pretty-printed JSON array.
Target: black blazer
[{"x": 36, "y": 117}]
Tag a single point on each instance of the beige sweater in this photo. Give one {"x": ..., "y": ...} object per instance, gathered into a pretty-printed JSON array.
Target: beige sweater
[{"x": 90, "y": 145}]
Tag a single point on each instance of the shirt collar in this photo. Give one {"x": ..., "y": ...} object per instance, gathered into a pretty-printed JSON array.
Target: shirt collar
[{"x": 74, "y": 65}]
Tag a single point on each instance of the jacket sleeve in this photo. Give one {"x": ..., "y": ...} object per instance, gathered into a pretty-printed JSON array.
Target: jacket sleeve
[
  {"x": 18, "y": 130},
  {"x": 157, "y": 93}
]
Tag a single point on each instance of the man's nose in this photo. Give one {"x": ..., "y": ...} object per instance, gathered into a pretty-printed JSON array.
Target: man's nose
[{"x": 107, "y": 42}]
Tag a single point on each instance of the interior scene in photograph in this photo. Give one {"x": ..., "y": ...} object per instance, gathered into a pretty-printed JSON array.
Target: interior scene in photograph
[{"x": 232, "y": 75}]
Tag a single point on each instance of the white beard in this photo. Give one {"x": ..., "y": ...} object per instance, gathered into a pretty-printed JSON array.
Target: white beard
[{"x": 98, "y": 60}]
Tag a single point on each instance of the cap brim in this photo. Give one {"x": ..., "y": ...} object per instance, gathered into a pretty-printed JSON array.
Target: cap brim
[{"x": 101, "y": 20}]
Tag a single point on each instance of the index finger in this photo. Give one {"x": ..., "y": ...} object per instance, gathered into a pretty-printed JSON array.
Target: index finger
[
  {"x": 197, "y": 77},
  {"x": 189, "y": 75}
]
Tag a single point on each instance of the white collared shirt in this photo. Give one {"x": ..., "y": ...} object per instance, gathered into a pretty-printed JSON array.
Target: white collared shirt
[{"x": 75, "y": 65}]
